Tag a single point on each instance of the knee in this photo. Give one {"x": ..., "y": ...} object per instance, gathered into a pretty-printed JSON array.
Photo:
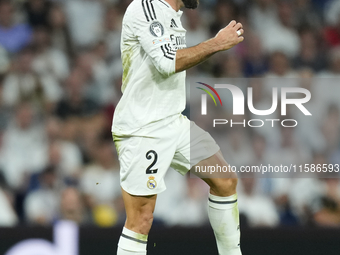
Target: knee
[
  {"x": 224, "y": 187},
  {"x": 233, "y": 183}
]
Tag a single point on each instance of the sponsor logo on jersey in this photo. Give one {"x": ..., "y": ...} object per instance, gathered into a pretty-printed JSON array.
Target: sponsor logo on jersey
[
  {"x": 156, "y": 29},
  {"x": 162, "y": 40},
  {"x": 178, "y": 41},
  {"x": 173, "y": 23},
  {"x": 151, "y": 183}
]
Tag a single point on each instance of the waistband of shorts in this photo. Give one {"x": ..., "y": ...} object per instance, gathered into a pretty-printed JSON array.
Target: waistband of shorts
[{"x": 140, "y": 131}]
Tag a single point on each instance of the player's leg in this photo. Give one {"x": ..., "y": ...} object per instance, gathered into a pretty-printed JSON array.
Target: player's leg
[
  {"x": 144, "y": 161},
  {"x": 139, "y": 217},
  {"x": 223, "y": 209},
  {"x": 198, "y": 148}
]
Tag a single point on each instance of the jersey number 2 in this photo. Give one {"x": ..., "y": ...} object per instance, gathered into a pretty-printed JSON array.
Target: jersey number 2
[{"x": 149, "y": 157}]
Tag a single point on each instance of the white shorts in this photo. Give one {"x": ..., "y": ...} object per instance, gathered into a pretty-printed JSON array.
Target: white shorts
[{"x": 146, "y": 155}]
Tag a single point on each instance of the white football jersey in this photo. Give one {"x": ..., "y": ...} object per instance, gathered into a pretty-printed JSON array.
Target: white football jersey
[{"x": 151, "y": 35}]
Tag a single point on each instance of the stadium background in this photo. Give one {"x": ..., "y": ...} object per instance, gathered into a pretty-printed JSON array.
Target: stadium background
[{"x": 60, "y": 77}]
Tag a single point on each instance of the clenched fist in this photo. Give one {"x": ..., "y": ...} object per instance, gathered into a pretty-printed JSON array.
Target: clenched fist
[{"x": 229, "y": 36}]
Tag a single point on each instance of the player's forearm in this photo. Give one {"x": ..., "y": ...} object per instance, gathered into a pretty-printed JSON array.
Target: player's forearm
[
  {"x": 189, "y": 57},
  {"x": 225, "y": 39}
]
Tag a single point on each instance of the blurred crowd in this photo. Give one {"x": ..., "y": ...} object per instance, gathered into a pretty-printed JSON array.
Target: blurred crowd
[{"x": 60, "y": 77}]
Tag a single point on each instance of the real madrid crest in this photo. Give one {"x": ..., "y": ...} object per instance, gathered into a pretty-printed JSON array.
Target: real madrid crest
[
  {"x": 156, "y": 29},
  {"x": 151, "y": 183}
]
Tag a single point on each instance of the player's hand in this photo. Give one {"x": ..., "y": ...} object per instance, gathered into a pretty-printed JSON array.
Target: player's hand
[{"x": 229, "y": 36}]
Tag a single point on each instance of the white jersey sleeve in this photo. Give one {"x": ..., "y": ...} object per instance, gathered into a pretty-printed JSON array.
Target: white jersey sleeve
[{"x": 154, "y": 37}]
